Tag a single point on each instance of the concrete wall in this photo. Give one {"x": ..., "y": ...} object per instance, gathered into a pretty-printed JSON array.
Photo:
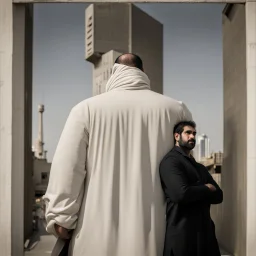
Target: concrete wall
[
  {"x": 251, "y": 124},
  {"x": 41, "y": 166},
  {"x": 111, "y": 27},
  {"x": 7, "y": 88},
  {"x": 232, "y": 229},
  {"x": 89, "y": 31},
  {"x": 110, "y": 24},
  {"x": 102, "y": 71},
  {"x": 13, "y": 116},
  {"x": 147, "y": 42}
]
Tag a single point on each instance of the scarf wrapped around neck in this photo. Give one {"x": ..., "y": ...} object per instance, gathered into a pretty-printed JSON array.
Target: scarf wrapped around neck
[{"x": 127, "y": 78}]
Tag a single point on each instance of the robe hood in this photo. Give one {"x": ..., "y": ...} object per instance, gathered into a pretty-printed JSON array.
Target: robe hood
[{"x": 128, "y": 78}]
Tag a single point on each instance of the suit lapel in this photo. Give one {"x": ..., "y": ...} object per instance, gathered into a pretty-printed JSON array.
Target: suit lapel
[{"x": 192, "y": 165}]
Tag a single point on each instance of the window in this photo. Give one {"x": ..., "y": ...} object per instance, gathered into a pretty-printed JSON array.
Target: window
[{"x": 44, "y": 176}]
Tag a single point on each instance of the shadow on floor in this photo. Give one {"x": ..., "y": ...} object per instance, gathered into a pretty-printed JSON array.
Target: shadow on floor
[{"x": 41, "y": 243}]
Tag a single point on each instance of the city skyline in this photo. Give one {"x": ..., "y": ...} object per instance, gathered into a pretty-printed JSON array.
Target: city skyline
[{"x": 192, "y": 64}]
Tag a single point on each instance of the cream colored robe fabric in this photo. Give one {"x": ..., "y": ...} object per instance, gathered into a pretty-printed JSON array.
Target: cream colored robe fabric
[{"x": 104, "y": 181}]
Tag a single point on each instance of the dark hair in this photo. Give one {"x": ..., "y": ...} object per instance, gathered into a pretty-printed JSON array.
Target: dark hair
[
  {"x": 130, "y": 59},
  {"x": 179, "y": 127}
]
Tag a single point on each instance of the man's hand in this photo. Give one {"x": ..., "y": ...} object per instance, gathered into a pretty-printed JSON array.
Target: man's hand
[
  {"x": 63, "y": 233},
  {"x": 211, "y": 187}
]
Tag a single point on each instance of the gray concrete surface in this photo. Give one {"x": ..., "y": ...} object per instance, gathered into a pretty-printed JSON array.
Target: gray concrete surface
[{"x": 43, "y": 243}]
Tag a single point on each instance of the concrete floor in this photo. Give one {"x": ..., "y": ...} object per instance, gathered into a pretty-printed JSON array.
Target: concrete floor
[
  {"x": 42, "y": 243},
  {"x": 43, "y": 247}
]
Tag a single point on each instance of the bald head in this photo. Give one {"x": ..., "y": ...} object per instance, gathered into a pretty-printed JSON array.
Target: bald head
[{"x": 131, "y": 60}]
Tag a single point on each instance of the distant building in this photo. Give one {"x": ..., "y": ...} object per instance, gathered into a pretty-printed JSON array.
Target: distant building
[
  {"x": 218, "y": 161},
  {"x": 113, "y": 29},
  {"x": 102, "y": 71},
  {"x": 41, "y": 175},
  {"x": 213, "y": 163},
  {"x": 202, "y": 148},
  {"x": 41, "y": 168},
  {"x": 218, "y": 158}
]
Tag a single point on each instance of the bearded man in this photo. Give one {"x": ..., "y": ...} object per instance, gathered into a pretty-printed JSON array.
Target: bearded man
[{"x": 189, "y": 190}]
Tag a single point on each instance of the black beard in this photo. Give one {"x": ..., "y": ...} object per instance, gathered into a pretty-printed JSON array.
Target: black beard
[{"x": 186, "y": 144}]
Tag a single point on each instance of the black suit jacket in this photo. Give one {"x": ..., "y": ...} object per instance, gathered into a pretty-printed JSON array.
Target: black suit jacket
[{"x": 189, "y": 229}]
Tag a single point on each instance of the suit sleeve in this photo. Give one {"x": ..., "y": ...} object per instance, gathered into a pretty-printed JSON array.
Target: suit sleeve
[
  {"x": 66, "y": 184},
  {"x": 215, "y": 197},
  {"x": 176, "y": 186}
]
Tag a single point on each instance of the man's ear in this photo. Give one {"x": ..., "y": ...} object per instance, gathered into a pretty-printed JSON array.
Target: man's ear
[{"x": 176, "y": 137}]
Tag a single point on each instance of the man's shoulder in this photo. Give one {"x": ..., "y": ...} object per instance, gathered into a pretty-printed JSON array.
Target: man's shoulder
[
  {"x": 86, "y": 102},
  {"x": 171, "y": 159},
  {"x": 156, "y": 99},
  {"x": 80, "y": 106},
  {"x": 172, "y": 155},
  {"x": 164, "y": 99}
]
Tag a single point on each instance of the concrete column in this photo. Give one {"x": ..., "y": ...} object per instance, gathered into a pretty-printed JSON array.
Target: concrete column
[
  {"x": 251, "y": 125},
  {"x": 231, "y": 225},
  {"x": 236, "y": 225},
  {"x": 17, "y": 129},
  {"x": 28, "y": 163},
  {"x": 13, "y": 98},
  {"x": 6, "y": 136}
]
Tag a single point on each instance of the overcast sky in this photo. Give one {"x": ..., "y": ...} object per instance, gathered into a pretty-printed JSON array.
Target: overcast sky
[{"x": 192, "y": 64}]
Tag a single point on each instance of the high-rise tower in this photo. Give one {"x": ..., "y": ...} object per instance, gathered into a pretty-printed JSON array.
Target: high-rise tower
[
  {"x": 116, "y": 28},
  {"x": 203, "y": 147}
]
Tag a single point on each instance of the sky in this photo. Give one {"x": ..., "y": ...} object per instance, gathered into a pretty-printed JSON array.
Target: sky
[{"x": 193, "y": 69}]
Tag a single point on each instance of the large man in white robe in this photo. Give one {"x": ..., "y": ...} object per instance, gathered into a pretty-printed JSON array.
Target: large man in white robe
[{"x": 104, "y": 180}]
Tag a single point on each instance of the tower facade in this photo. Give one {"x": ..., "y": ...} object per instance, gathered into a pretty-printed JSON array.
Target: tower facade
[
  {"x": 115, "y": 28},
  {"x": 102, "y": 71},
  {"x": 203, "y": 147}
]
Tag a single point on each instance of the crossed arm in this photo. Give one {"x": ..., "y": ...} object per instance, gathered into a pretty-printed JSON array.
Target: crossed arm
[
  {"x": 216, "y": 197},
  {"x": 175, "y": 185}
]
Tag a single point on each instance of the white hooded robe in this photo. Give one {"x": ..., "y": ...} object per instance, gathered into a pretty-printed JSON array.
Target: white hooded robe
[{"x": 104, "y": 180}]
